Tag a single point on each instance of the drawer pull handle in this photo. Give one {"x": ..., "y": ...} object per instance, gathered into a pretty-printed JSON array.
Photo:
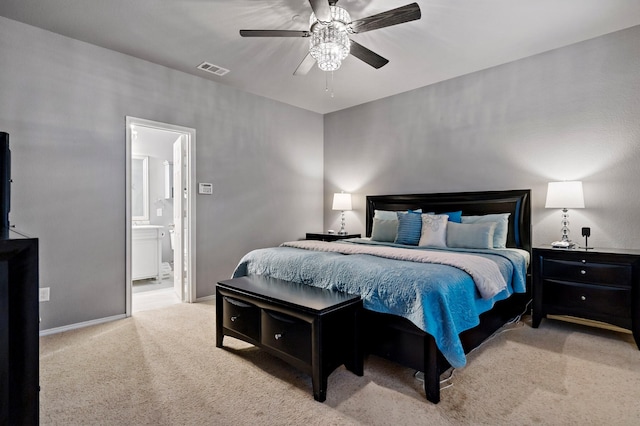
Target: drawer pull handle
[
  {"x": 278, "y": 336},
  {"x": 584, "y": 261},
  {"x": 583, "y": 298},
  {"x": 234, "y": 318},
  {"x": 583, "y": 272}
]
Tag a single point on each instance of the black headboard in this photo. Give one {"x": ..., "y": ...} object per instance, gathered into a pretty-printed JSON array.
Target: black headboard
[{"x": 517, "y": 202}]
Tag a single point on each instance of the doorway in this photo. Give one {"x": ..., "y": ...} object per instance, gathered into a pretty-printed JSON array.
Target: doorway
[{"x": 160, "y": 214}]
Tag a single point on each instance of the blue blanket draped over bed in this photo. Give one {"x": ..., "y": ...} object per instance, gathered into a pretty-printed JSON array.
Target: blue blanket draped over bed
[{"x": 440, "y": 299}]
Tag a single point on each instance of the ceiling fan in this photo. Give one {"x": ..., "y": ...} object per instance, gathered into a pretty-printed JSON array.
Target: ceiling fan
[{"x": 329, "y": 30}]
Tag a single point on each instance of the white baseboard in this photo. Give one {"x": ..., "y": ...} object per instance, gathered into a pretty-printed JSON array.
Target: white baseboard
[
  {"x": 205, "y": 298},
  {"x": 75, "y": 326}
]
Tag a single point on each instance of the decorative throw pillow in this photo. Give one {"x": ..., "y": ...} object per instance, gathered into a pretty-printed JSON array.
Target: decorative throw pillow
[
  {"x": 387, "y": 225},
  {"x": 470, "y": 235},
  {"x": 434, "y": 230},
  {"x": 454, "y": 216},
  {"x": 409, "y": 227},
  {"x": 384, "y": 230},
  {"x": 502, "y": 226}
]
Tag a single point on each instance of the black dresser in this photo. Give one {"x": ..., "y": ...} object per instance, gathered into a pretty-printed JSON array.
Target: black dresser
[
  {"x": 597, "y": 284},
  {"x": 19, "y": 329}
]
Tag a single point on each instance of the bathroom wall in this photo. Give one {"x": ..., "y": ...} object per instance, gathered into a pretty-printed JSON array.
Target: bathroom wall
[{"x": 158, "y": 146}]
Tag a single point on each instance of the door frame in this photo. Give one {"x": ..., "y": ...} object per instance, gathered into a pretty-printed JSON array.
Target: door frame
[{"x": 190, "y": 134}]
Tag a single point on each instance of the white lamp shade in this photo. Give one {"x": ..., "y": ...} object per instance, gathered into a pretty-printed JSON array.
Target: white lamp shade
[
  {"x": 341, "y": 201},
  {"x": 565, "y": 195}
]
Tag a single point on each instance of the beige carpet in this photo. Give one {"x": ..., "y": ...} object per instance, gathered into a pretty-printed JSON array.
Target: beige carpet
[{"x": 161, "y": 367}]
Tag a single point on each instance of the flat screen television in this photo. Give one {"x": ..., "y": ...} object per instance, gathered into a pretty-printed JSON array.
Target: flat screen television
[{"x": 5, "y": 184}]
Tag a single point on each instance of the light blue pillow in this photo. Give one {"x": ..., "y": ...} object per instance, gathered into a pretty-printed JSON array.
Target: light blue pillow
[
  {"x": 385, "y": 230},
  {"x": 470, "y": 235},
  {"x": 385, "y": 215},
  {"x": 409, "y": 228},
  {"x": 502, "y": 226},
  {"x": 454, "y": 216}
]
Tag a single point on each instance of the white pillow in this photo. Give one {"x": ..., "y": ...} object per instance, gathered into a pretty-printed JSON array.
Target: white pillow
[{"x": 434, "y": 230}]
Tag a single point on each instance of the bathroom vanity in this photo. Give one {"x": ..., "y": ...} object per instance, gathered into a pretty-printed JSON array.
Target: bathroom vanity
[{"x": 146, "y": 251}]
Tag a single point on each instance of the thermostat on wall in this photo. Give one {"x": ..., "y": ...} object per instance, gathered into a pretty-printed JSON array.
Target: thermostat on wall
[{"x": 205, "y": 188}]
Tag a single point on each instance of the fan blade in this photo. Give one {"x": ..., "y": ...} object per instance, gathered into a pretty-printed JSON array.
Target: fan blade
[
  {"x": 305, "y": 66},
  {"x": 368, "y": 56},
  {"x": 407, "y": 13},
  {"x": 274, "y": 33},
  {"x": 321, "y": 9}
]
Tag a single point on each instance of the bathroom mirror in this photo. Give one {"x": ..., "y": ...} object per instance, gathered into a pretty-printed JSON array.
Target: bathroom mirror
[{"x": 139, "y": 188}]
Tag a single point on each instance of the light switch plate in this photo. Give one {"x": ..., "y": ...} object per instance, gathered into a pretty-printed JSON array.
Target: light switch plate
[{"x": 205, "y": 188}]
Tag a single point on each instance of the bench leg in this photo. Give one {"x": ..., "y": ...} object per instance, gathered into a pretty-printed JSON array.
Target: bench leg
[
  {"x": 318, "y": 376},
  {"x": 319, "y": 388},
  {"x": 219, "y": 319},
  {"x": 355, "y": 361}
]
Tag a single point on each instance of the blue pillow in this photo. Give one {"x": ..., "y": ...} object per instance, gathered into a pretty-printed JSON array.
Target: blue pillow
[
  {"x": 409, "y": 228},
  {"x": 454, "y": 216}
]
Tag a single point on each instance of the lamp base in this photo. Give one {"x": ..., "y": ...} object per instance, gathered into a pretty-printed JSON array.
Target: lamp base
[
  {"x": 342, "y": 231},
  {"x": 563, "y": 244}
]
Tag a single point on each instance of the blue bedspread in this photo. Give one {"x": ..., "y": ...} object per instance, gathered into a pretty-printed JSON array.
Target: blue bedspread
[{"x": 440, "y": 299}]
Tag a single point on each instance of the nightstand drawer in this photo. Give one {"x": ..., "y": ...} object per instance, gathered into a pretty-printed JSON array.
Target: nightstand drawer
[
  {"x": 587, "y": 272},
  {"x": 586, "y": 300},
  {"x": 287, "y": 334}
]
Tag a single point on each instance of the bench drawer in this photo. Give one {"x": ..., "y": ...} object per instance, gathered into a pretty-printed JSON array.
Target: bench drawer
[
  {"x": 241, "y": 317},
  {"x": 287, "y": 334}
]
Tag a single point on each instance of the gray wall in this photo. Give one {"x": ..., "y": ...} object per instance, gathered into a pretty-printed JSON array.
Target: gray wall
[
  {"x": 572, "y": 113},
  {"x": 64, "y": 104}
]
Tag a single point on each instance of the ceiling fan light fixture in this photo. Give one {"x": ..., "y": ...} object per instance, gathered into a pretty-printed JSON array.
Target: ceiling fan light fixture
[{"x": 330, "y": 44}]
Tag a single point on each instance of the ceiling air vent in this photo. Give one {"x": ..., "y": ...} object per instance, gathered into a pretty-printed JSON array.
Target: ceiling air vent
[{"x": 213, "y": 69}]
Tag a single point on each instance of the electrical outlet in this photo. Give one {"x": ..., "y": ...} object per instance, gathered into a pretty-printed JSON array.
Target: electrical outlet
[{"x": 44, "y": 294}]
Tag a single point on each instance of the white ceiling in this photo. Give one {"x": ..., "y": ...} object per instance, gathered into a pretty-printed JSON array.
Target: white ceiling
[{"x": 453, "y": 38}]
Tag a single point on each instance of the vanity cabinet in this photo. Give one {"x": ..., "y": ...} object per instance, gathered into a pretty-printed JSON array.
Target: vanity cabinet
[{"x": 146, "y": 252}]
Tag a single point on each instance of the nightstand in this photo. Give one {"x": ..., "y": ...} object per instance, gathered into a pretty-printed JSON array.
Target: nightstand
[
  {"x": 596, "y": 284},
  {"x": 330, "y": 237}
]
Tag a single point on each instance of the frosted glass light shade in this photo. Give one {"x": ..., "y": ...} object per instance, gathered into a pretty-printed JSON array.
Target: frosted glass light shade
[
  {"x": 341, "y": 201},
  {"x": 565, "y": 195}
]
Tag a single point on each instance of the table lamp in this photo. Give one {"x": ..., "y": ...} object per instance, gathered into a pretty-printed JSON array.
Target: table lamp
[
  {"x": 565, "y": 195},
  {"x": 342, "y": 202}
]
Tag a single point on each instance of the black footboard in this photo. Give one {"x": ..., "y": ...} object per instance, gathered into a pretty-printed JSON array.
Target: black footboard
[{"x": 398, "y": 340}]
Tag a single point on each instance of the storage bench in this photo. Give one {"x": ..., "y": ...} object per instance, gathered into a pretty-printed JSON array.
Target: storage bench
[{"x": 313, "y": 329}]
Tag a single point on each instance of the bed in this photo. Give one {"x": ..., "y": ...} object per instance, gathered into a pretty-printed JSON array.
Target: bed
[{"x": 425, "y": 307}]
